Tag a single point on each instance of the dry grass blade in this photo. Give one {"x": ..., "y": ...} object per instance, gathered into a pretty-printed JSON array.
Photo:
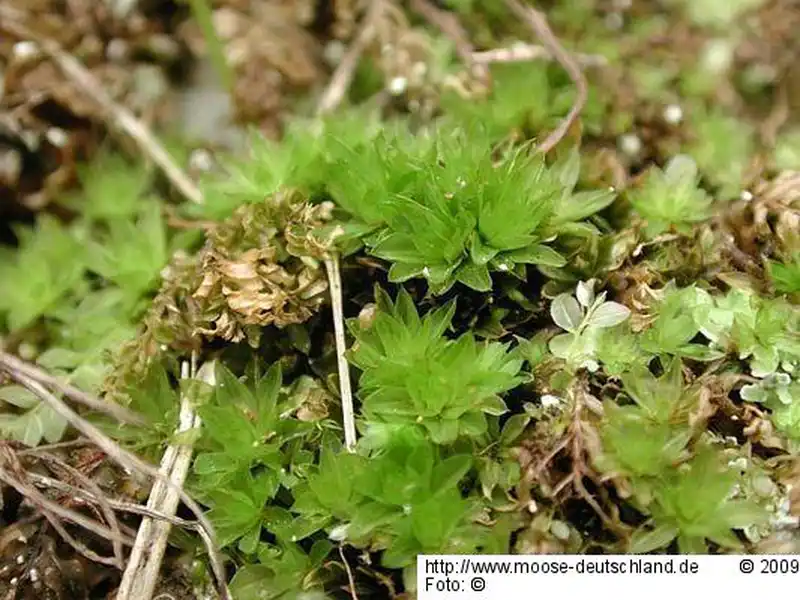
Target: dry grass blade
[
  {"x": 141, "y": 575},
  {"x": 12, "y": 364},
  {"x": 115, "y": 113},
  {"x": 44, "y": 448},
  {"x": 538, "y": 23},
  {"x": 78, "y": 546},
  {"x": 348, "y": 413}
]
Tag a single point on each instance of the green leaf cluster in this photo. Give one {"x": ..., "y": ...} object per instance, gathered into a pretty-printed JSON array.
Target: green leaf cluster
[
  {"x": 38, "y": 422},
  {"x": 299, "y": 161},
  {"x": 284, "y": 571},
  {"x": 130, "y": 253},
  {"x": 786, "y": 275},
  {"x": 695, "y": 504},
  {"x": 413, "y": 374},
  {"x": 441, "y": 203},
  {"x": 766, "y": 331},
  {"x": 648, "y": 437},
  {"x": 154, "y": 398},
  {"x": 251, "y": 446},
  {"x": 405, "y": 500},
  {"x": 675, "y": 323},
  {"x": 498, "y": 465},
  {"x": 521, "y": 99},
  {"x": 670, "y": 198},
  {"x": 685, "y": 490},
  {"x": 584, "y": 316},
  {"x": 447, "y": 207},
  {"x": 691, "y": 323},
  {"x": 525, "y": 99},
  {"x": 722, "y": 148},
  {"x": 48, "y": 264},
  {"x": 81, "y": 286}
]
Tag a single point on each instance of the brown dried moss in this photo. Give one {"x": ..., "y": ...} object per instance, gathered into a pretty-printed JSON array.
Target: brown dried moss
[{"x": 262, "y": 267}]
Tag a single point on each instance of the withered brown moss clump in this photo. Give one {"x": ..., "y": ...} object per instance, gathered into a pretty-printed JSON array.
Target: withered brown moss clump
[
  {"x": 769, "y": 223},
  {"x": 263, "y": 266}
]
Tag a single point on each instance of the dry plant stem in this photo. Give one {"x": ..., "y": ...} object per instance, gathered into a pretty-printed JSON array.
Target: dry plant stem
[
  {"x": 105, "y": 508},
  {"x": 135, "y": 464},
  {"x": 538, "y": 23},
  {"x": 58, "y": 445},
  {"x": 78, "y": 546},
  {"x": 11, "y": 474},
  {"x": 136, "y": 509},
  {"x": 550, "y": 456},
  {"x": 530, "y": 52},
  {"x": 450, "y": 27},
  {"x": 381, "y": 578},
  {"x": 348, "y": 414},
  {"x": 12, "y": 364},
  {"x": 114, "y": 112},
  {"x": 144, "y": 564},
  {"x": 350, "y": 580},
  {"x": 52, "y": 508},
  {"x": 579, "y": 469},
  {"x": 573, "y": 441},
  {"x": 343, "y": 75}
]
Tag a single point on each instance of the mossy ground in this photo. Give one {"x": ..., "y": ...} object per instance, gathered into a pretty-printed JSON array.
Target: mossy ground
[{"x": 540, "y": 364}]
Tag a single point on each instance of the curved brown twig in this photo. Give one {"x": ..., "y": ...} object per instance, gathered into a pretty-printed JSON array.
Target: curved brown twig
[
  {"x": 538, "y": 23},
  {"x": 450, "y": 27}
]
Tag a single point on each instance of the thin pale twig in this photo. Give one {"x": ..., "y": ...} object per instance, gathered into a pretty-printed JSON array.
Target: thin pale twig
[
  {"x": 530, "y": 52},
  {"x": 12, "y": 364},
  {"x": 129, "y": 507},
  {"x": 562, "y": 484},
  {"x": 538, "y": 23},
  {"x": 550, "y": 456},
  {"x": 114, "y": 112},
  {"x": 55, "y": 446},
  {"x": 141, "y": 575},
  {"x": 348, "y": 413},
  {"x": 343, "y": 75},
  {"x": 587, "y": 497}
]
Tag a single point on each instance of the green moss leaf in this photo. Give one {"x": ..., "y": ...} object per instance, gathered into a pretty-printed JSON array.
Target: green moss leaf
[
  {"x": 475, "y": 276},
  {"x": 645, "y": 541}
]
